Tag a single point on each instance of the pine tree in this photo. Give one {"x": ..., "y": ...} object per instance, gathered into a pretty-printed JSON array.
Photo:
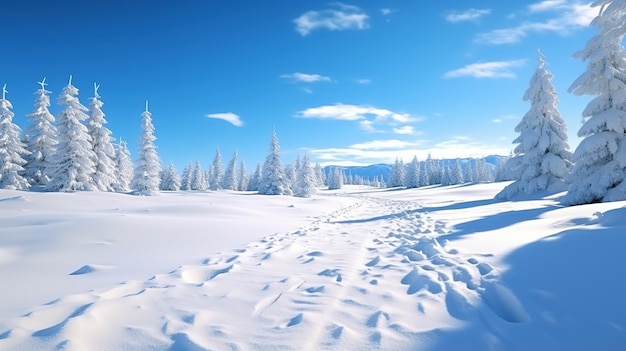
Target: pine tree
[
  {"x": 274, "y": 181},
  {"x": 124, "y": 167},
  {"x": 42, "y": 139},
  {"x": 599, "y": 171},
  {"x": 148, "y": 166},
  {"x": 305, "y": 185},
  {"x": 468, "y": 172},
  {"x": 290, "y": 175},
  {"x": 255, "y": 179},
  {"x": 425, "y": 173},
  {"x": 543, "y": 152},
  {"x": 170, "y": 180},
  {"x": 319, "y": 173},
  {"x": 243, "y": 177},
  {"x": 104, "y": 177},
  {"x": 72, "y": 166},
  {"x": 198, "y": 178},
  {"x": 335, "y": 179},
  {"x": 185, "y": 183},
  {"x": 456, "y": 173},
  {"x": 216, "y": 173},
  {"x": 12, "y": 150},
  {"x": 396, "y": 178},
  {"x": 230, "y": 180},
  {"x": 413, "y": 174}
]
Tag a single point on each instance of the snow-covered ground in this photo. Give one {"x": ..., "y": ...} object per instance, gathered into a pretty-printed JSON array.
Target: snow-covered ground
[{"x": 441, "y": 268}]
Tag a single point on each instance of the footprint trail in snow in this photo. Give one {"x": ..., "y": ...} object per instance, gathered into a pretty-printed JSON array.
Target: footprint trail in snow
[{"x": 352, "y": 279}]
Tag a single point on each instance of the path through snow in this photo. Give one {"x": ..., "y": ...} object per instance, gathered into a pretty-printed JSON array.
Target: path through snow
[{"x": 369, "y": 276}]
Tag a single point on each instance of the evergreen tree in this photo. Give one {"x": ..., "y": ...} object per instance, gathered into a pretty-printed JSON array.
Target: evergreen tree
[
  {"x": 396, "y": 178},
  {"x": 306, "y": 179},
  {"x": 543, "y": 152},
  {"x": 104, "y": 176},
  {"x": 216, "y": 174},
  {"x": 599, "y": 171},
  {"x": 185, "y": 182},
  {"x": 170, "y": 180},
  {"x": 413, "y": 174},
  {"x": 290, "y": 174},
  {"x": 72, "y": 166},
  {"x": 456, "y": 173},
  {"x": 274, "y": 181},
  {"x": 468, "y": 172},
  {"x": 12, "y": 150},
  {"x": 230, "y": 180},
  {"x": 319, "y": 174},
  {"x": 424, "y": 174},
  {"x": 148, "y": 166},
  {"x": 42, "y": 139},
  {"x": 255, "y": 179},
  {"x": 335, "y": 179},
  {"x": 198, "y": 178},
  {"x": 243, "y": 177},
  {"x": 124, "y": 167}
]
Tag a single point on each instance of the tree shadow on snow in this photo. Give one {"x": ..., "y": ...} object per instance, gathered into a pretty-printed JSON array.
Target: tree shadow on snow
[
  {"x": 570, "y": 285},
  {"x": 497, "y": 221}
]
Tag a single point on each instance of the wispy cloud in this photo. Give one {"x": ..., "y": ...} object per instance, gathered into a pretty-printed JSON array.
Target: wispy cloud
[
  {"x": 305, "y": 77},
  {"x": 363, "y": 81},
  {"x": 228, "y": 117},
  {"x": 492, "y": 69},
  {"x": 406, "y": 130},
  {"x": 568, "y": 16},
  {"x": 348, "y": 112},
  {"x": 467, "y": 15},
  {"x": 386, "y": 11},
  {"x": 385, "y": 151},
  {"x": 337, "y": 18}
]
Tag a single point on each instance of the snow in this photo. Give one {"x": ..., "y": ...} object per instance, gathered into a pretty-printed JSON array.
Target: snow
[{"x": 358, "y": 268}]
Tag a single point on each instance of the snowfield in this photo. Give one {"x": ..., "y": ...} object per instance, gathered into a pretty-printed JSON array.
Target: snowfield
[{"x": 436, "y": 268}]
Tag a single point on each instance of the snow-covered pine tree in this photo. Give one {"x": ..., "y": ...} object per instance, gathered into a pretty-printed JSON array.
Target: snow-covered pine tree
[
  {"x": 599, "y": 171},
  {"x": 243, "y": 177},
  {"x": 456, "y": 173},
  {"x": 396, "y": 178},
  {"x": 319, "y": 173},
  {"x": 255, "y": 179},
  {"x": 542, "y": 152},
  {"x": 424, "y": 173},
  {"x": 72, "y": 166},
  {"x": 124, "y": 167},
  {"x": 148, "y": 166},
  {"x": 230, "y": 180},
  {"x": 290, "y": 174},
  {"x": 274, "y": 181},
  {"x": 335, "y": 179},
  {"x": 104, "y": 177},
  {"x": 198, "y": 178},
  {"x": 185, "y": 181},
  {"x": 216, "y": 174},
  {"x": 413, "y": 174},
  {"x": 171, "y": 179},
  {"x": 42, "y": 139},
  {"x": 468, "y": 171},
  {"x": 306, "y": 179},
  {"x": 12, "y": 150}
]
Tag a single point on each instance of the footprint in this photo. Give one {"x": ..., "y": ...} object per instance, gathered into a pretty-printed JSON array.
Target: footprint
[
  {"x": 315, "y": 289},
  {"x": 375, "y": 317},
  {"x": 297, "y": 319},
  {"x": 373, "y": 262},
  {"x": 484, "y": 268},
  {"x": 417, "y": 282}
]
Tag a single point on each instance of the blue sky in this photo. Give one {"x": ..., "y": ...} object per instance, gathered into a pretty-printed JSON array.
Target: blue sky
[{"x": 347, "y": 82}]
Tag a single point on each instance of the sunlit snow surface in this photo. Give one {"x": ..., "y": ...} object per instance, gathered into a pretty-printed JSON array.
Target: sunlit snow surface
[{"x": 442, "y": 268}]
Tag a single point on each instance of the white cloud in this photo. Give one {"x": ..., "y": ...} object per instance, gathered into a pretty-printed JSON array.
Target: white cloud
[
  {"x": 492, "y": 69},
  {"x": 496, "y": 120},
  {"x": 383, "y": 144},
  {"x": 228, "y": 117},
  {"x": 305, "y": 77},
  {"x": 386, "y": 11},
  {"x": 348, "y": 112},
  {"x": 568, "y": 17},
  {"x": 406, "y": 130},
  {"x": 339, "y": 17},
  {"x": 386, "y": 151},
  {"x": 467, "y": 15},
  {"x": 363, "y": 81}
]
